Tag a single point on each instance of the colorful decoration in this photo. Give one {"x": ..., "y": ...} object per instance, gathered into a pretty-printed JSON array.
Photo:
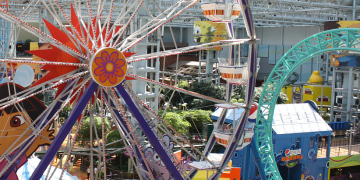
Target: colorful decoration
[
  {"x": 24, "y": 75},
  {"x": 14, "y": 124},
  {"x": 315, "y": 78},
  {"x": 76, "y": 46},
  {"x": 207, "y": 31},
  {"x": 153, "y": 156},
  {"x": 304, "y": 171},
  {"x": 344, "y": 161},
  {"x": 310, "y": 178},
  {"x": 312, "y": 155},
  {"x": 108, "y": 67}
]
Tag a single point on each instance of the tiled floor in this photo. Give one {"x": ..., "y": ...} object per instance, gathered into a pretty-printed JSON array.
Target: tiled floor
[{"x": 75, "y": 171}]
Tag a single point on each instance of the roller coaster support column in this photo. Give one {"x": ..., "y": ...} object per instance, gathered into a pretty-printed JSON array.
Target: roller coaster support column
[{"x": 259, "y": 165}]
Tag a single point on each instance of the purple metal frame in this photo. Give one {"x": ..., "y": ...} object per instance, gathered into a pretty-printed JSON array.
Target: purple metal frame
[
  {"x": 212, "y": 139},
  {"x": 230, "y": 150},
  {"x": 127, "y": 130},
  {"x": 149, "y": 134},
  {"x": 64, "y": 131}
]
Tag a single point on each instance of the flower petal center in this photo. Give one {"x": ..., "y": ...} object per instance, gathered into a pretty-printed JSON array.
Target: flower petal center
[{"x": 109, "y": 67}]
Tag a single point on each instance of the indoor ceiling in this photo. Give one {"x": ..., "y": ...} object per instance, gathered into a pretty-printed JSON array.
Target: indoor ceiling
[{"x": 270, "y": 13}]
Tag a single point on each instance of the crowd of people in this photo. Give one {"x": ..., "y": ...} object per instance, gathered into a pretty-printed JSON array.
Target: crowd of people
[{"x": 97, "y": 173}]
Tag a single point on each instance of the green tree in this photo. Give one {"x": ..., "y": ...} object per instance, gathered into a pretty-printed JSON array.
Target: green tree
[
  {"x": 196, "y": 118},
  {"x": 113, "y": 136},
  {"x": 177, "y": 97},
  {"x": 64, "y": 113},
  {"x": 257, "y": 94},
  {"x": 176, "y": 121},
  {"x": 207, "y": 89},
  {"x": 84, "y": 131}
]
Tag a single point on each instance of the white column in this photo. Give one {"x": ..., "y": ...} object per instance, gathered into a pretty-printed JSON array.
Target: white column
[
  {"x": 350, "y": 86},
  {"x": 209, "y": 64}
]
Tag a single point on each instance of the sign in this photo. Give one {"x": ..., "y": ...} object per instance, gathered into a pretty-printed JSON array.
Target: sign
[
  {"x": 208, "y": 31},
  {"x": 291, "y": 157}
]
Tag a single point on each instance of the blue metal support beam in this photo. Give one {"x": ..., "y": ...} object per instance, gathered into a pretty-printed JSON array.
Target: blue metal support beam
[
  {"x": 150, "y": 134},
  {"x": 64, "y": 131},
  {"x": 125, "y": 129}
]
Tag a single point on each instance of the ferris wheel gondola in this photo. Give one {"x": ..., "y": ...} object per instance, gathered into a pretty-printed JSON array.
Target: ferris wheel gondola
[{"x": 221, "y": 10}]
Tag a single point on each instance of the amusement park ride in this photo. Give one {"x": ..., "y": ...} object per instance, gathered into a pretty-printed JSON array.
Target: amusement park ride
[{"x": 88, "y": 64}]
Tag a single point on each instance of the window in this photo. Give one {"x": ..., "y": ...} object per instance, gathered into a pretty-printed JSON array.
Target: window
[
  {"x": 298, "y": 142},
  {"x": 312, "y": 142}
]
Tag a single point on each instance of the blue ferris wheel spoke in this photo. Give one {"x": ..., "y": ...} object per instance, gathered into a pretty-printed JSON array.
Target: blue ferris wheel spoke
[
  {"x": 212, "y": 138},
  {"x": 230, "y": 150},
  {"x": 248, "y": 18},
  {"x": 149, "y": 134},
  {"x": 125, "y": 129},
  {"x": 64, "y": 131}
]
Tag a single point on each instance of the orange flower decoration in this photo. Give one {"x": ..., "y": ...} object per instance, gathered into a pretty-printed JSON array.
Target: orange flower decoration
[{"x": 109, "y": 67}]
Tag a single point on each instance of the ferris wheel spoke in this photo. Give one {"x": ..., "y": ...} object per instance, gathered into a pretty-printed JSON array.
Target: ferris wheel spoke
[
  {"x": 153, "y": 25},
  {"x": 123, "y": 29},
  {"x": 128, "y": 136},
  {"x": 55, "y": 145},
  {"x": 30, "y": 92},
  {"x": 181, "y": 90},
  {"x": 57, "y": 18},
  {"x": 36, "y": 32},
  {"x": 25, "y": 144},
  {"x": 159, "y": 125},
  {"x": 183, "y": 50},
  {"x": 28, "y": 9},
  {"x": 149, "y": 133},
  {"x": 19, "y": 60},
  {"x": 108, "y": 22},
  {"x": 163, "y": 123},
  {"x": 20, "y": 96},
  {"x": 75, "y": 24}
]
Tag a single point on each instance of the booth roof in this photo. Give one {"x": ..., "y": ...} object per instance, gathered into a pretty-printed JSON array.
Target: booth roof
[
  {"x": 287, "y": 119},
  {"x": 298, "y": 118}
]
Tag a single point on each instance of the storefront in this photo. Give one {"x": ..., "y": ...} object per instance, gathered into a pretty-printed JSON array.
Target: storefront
[{"x": 300, "y": 148}]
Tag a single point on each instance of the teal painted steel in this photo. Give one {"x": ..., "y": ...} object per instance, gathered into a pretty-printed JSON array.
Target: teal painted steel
[{"x": 333, "y": 40}]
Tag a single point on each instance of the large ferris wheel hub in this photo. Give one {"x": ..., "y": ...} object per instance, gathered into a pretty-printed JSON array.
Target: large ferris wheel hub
[{"x": 108, "y": 67}]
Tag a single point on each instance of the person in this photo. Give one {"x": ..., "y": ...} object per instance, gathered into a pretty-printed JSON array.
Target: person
[
  {"x": 348, "y": 176},
  {"x": 88, "y": 172},
  {"x": 95, "y": 171},
  {"x": 100, "y": 172},
  {"x": 16, "y": 120}
]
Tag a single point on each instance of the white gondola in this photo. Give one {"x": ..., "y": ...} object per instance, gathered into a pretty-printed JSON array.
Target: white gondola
[
  {"x": 234, "y": 74},
  {"x": 224, "y": 133},
  {"x": 221, "y": 10}
]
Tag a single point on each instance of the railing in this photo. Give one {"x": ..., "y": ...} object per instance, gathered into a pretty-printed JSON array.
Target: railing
[
  {"x": 339, "y": 151},
  {"x": 336, "y": 142}
]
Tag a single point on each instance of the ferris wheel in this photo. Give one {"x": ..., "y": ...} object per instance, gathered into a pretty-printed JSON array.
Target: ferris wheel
[{"x": 92, "y": 52}]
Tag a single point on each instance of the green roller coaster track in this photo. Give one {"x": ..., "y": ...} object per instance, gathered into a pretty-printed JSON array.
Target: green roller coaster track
[{"x": 333, "y": 40}]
